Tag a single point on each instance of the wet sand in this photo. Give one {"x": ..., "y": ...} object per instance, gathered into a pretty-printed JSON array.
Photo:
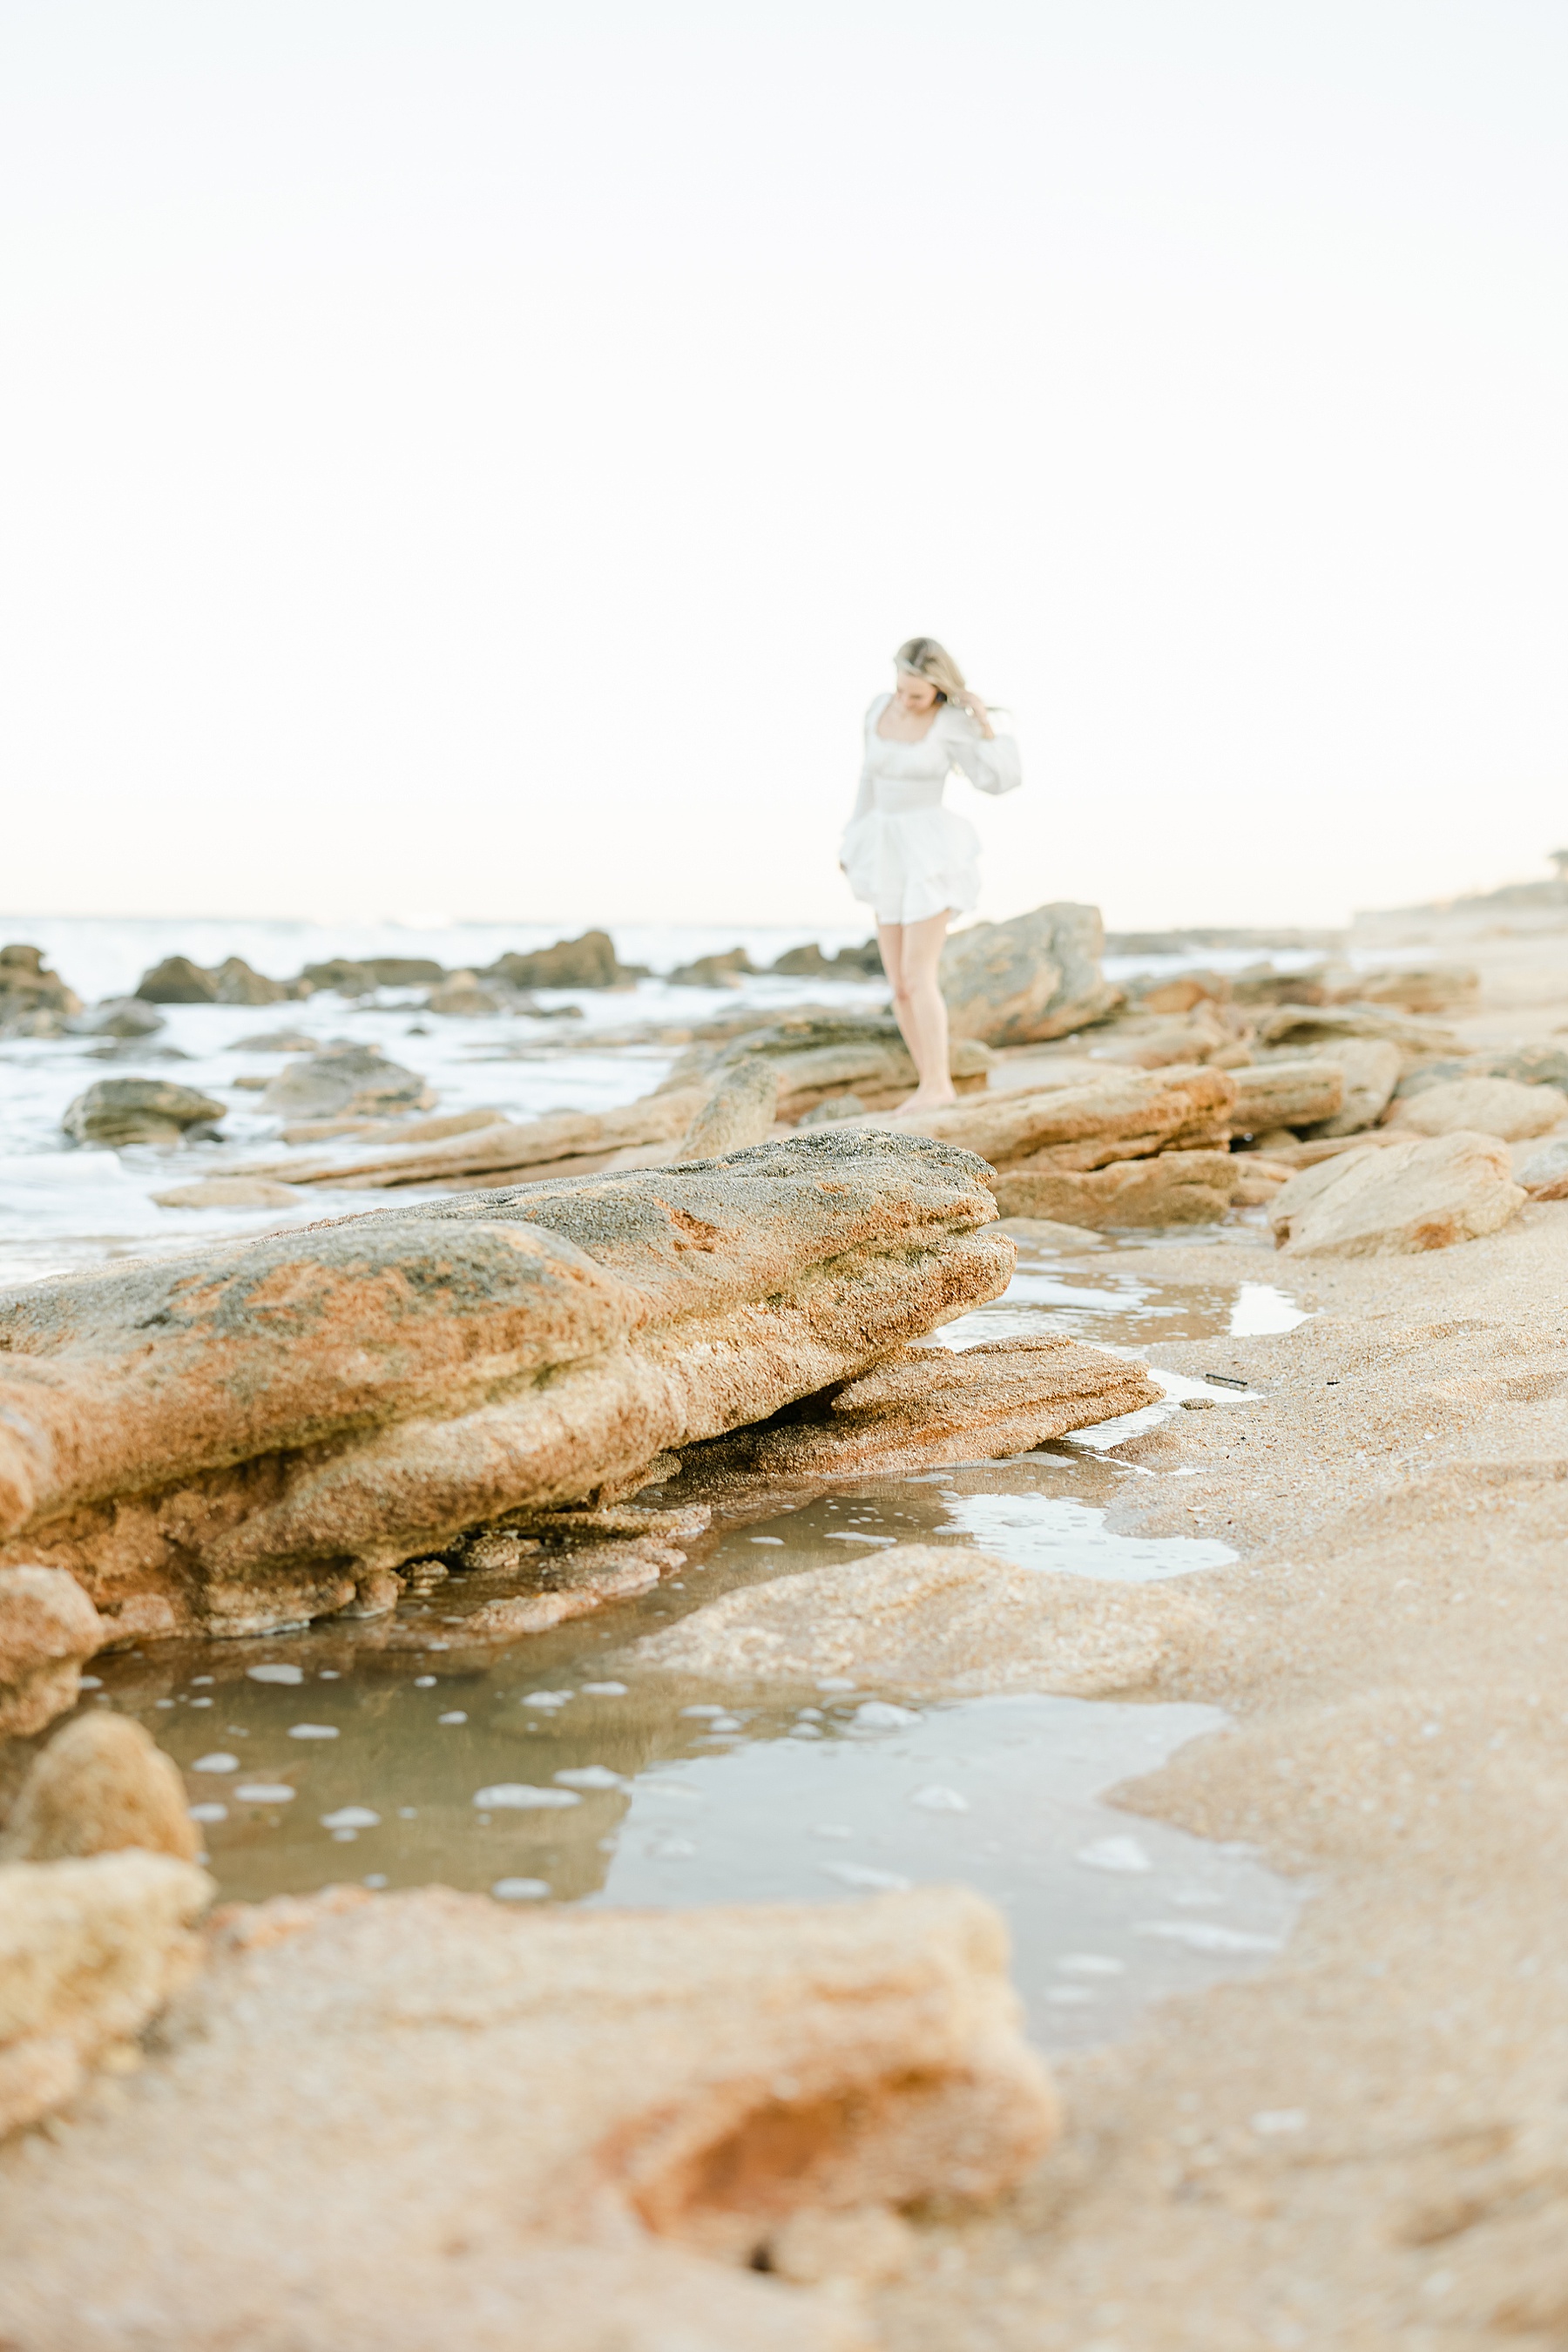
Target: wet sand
[{"x": 1367, "y": 2144}]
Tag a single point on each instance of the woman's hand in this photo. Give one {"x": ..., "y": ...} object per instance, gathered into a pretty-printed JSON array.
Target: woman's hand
[{"x": 981, "y": 716}]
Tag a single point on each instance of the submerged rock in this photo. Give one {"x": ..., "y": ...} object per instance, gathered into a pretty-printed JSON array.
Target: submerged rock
[
  {"x": 117, "y": 1016},
  {"x": 237, "y": 1439},
  {"x": 936, "y": 1617},
  {"x": 117, "y": 1111},
  {"x": 1397, "y": 1200},
  {"x": 48, "y": 1630},
  {"x": 1036, "y": 977},
  {"x": 101, "y": 1786},
  {"x": 90, "y": 1952},
  {"x": 334, "y": 2109}
]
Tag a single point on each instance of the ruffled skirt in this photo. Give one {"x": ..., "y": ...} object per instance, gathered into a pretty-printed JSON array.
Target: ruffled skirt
[{"x": 912, "y": 865}]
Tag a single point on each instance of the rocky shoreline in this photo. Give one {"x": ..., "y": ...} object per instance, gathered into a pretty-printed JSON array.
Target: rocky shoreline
[{"x": 543, "y": 1393}]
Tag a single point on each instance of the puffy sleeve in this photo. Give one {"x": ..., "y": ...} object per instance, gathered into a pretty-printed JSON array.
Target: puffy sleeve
[
  {"x": 992, "y": 765},
  {"x": 863, "y": 798}
]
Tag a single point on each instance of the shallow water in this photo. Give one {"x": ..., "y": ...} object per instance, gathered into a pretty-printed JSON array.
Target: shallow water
[{"x": 319, "y": 1757}]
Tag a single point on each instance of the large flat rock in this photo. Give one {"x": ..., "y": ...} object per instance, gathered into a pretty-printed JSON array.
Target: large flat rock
[
  {"x": 249, "y": 1436},
  {"x": 378, "y": 2123},
  {"x": 1398, "y": 1199}
]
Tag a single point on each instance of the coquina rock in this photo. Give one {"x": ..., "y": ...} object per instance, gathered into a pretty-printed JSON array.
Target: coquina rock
[
  {"x": 101, "y": 1786},
  {"x": 1124, "y": 1115},
  {"x": 1499, "y": 1107},
  {"x": 346, "y": 1079},
  {"x": 924, "y": 1406},
  {"x": 1370, "y": 1068},
  {"x": 137, "y": 1110},
  {"x": 1426, "y": 988},
  {"x": 48, "y": 1630},
  {"x": 239, "y": 1439},
  {"x": 1036, "y": 977},
  {"x": 609, "y": 2113},
  {"x": 589, "y": 961},
  {"x": 740, "y": 1111},
  {"x": 1397, "y": 1200},
  {"x": 470, "y": 1151},
  {"x": 177, "y": 980},
  {"x": 820, "y": 1054},
  {"x": 1286, "y": 1094},
  {"x": 1304, "y": 1028},
  {"x": 29, "y": 990},
  {"x": 929, "y": 1618},
  {"x": 1174, "y": 1188},
  {"x": 90, "y": 1952}
]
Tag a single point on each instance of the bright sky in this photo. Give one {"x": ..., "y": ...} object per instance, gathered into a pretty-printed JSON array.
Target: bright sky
[{"x": 476, "y": 457}]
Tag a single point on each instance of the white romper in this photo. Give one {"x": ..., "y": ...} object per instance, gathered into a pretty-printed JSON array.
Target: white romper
[{"x": 905, "y": 855}]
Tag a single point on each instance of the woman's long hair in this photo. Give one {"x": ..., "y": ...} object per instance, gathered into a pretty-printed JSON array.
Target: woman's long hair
[{"x": 923, "y": 657}]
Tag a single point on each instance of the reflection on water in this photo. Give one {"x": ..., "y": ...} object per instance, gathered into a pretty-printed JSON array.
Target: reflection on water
[{"x": 558, "y": 1771}]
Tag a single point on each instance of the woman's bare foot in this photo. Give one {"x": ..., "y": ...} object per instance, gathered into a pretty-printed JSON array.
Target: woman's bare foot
[{"x": 920, "y": 1105}]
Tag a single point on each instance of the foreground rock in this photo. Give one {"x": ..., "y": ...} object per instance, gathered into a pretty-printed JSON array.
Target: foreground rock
[
  {"x": 1174, "y": 1188},
  {"x": 89, "y": 1953},
  {"x": 118, "y": 1111},
  {"x": 927, "y": 1618},
  {"x": 598, "y": 2110},
  {"x": 101, "y": 1786},
  {"x": 1499, "y": 1107},
  {"x": 1398, "y": 1199},
  {"x": 1036, "y": 977},
  {"x": 48, "y": 1630},
  {"x": 247, "y": 1438},
  {"x": 923, "y": 1407}
]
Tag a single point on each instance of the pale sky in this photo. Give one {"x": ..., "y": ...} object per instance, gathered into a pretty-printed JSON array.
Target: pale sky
[{"x": 474, "y": 458}]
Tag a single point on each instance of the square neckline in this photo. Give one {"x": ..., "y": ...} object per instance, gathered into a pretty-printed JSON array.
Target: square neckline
[{"x": 907, "y": 742}]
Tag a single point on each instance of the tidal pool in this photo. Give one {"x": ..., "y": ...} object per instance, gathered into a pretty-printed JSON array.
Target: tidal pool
[{"x": 558, "y": 1771}]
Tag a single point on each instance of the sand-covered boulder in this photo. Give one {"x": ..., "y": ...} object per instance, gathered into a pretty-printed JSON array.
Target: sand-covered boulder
[
  {"x": 1120, "y": 1114},
  {"x": 930, "y": 1618},
  {"x": 1499, "y": 1107},
  {"x": 1397, "y": 1200},
  {"x": 244, "y": 1435},
  {"x": 101, "y": 1786},
  {"x": 117, "y": 1111},
  {"x": 1286, "y": 1094},
  {"x": 393, "y": 2120},
  {"x": 740, "y": 1111},
  {"x": 1173, "y": 1188},
  {"x": 1036, "y": 977},
  {"x": 349, "y": 1079},
  {"x": 48, "y": 1630},
  {"x": 90, "y": 1952}
]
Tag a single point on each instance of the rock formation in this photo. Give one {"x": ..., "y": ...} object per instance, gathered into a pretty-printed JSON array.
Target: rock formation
[
  {"x": 1400, "y": 1198},
  {"x": 409, "y": 2119},
  {"x": 347, "y": 1080},
  {"x": 740, "y": 1111},
  {"x": 102, "y": 1786},
  {"x": 48, "y": 1629},
  {"x": 821, "y": 1054},
  {"x": 1499, "y": 1107},
  {"x": 921, "y": 1407},
  {"x": 1120, "y": 1115},
  {"x": 90, "y": 1952},
  {"x": 33, "y": 1001},
  {"x": 1173, "y": 1188},
  {"x": 468, "y": 1150},
  {"x": 137, "y": 1110},
  {"x": 242, "y": 1439},
  {"x": 589, "y": 961},
  {"x": 1036, "y": 977}
]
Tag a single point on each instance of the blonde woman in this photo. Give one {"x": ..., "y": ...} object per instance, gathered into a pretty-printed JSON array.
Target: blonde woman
[{"x": 915, "y": 862}]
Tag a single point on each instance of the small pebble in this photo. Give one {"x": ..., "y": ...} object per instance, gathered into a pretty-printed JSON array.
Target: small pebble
[
  {"x": 456, "y": 1716},
  {"x": 521, "y": 1890},
  {"x": 278, "y": 1674},
  {"x": 219, "y": 1763},
  {"x": 312, "y": 1731}
]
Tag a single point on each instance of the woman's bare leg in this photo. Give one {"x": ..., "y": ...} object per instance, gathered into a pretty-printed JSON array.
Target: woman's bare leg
[{"x": 910, "y": 952}]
